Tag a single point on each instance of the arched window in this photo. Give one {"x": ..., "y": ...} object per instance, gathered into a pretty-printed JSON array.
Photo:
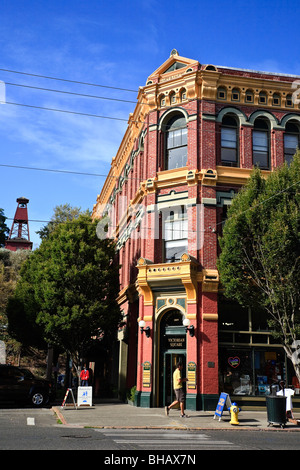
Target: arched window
[
  {"x": 229, "y": 147},
  {"x": 162, "y": 100},
  {"x": 172, "y": 97},
  {"x": 291, "y": 141},
  {"x": 260, "y": 144},
  {"x": 183, "y": 94},
  {"x": 176, "y": 143}
]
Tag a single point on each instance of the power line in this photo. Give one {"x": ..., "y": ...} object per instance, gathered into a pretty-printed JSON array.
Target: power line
[
  {"x": 69, "y": 81},
  {"x": 165, "y": 127},
  {"x": 75, "y": 94},
  {"x": 270, "y": 138},
  {"x": 20, "y": 167},
  {"x": 84, "y": 95},
  {"x": 66, "y": 111},
  {"x": 54, "y": 171},
  {"x": 69, "y": 92},
  {"x": 176, "y": 230}
]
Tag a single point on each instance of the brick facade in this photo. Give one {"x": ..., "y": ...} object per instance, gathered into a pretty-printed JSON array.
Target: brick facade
[{"x": 150, "y": 287}]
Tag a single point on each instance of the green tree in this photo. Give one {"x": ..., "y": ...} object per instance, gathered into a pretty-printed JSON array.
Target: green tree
[
  {"x": 68, "y": 288},
  {"x": 259, "y": 263},
  {"x": 62, "y": 214},
  {"x": 3, "y": 228},
  {"x": 10, "y": 265}
]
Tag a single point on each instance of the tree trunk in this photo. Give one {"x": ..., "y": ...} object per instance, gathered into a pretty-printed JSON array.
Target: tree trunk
[{"x": 293, "y": 353}]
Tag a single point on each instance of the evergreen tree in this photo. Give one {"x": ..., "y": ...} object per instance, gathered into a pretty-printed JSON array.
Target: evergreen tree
[{"x": 68, "y": 288}]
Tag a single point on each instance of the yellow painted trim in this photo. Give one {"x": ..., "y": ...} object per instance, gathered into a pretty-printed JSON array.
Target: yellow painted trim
[
  {"x": 191, "y": 316},
  {"x": 210, "y": 316},
  {"x": 184, "y": 271},
  {"x": 236, "y": 175},
  {"x": 210, "y": 282},
  {"x": 148, "y": 318}
]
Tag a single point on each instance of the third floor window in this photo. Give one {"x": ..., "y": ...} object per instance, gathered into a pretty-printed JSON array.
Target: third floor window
[
  {"x": 260, "y": 144},
  {"x": 291, "y": 141},
  {"x": 229, "y": 142}
]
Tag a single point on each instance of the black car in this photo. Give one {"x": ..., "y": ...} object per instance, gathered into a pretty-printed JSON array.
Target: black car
[{"x": 20, "y": 386}]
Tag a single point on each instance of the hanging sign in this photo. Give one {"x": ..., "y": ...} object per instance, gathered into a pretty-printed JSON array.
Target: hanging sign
[
  {"x": 84, "y": 396},
  {"x": 224, "y": 400}
]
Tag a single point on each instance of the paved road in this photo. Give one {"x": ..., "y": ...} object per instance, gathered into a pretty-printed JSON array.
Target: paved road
[
  {"x": 28, "y": 429},
  {"x": 193, "y": 441},
  {"x": 171, "y": 440}
]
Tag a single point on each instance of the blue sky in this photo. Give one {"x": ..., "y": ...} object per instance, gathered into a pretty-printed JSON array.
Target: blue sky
[{"x": 113, "y": 44}]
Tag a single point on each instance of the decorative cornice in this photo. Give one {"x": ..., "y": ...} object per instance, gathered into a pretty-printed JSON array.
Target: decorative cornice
[{"x": 182, "y": 272}]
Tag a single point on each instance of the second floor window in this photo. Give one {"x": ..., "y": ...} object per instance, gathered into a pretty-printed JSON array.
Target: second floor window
[
  {"x": 175, "y": 234},
  {"x": 176, "y": 143},
  {"x": 260, "y": 144}
]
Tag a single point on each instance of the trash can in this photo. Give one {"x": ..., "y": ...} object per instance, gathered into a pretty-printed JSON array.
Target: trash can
[{"x": 276, "y": 410}]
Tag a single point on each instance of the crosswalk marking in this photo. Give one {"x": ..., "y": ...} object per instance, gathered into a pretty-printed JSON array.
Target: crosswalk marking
[{"x": 165, "y": 439}]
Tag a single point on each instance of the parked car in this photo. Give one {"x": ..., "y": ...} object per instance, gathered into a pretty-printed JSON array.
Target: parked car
[{"x": 20, "y": 386}]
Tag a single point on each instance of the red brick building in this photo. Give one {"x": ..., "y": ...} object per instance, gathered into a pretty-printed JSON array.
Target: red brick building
[{"x": 191, "y": 143}]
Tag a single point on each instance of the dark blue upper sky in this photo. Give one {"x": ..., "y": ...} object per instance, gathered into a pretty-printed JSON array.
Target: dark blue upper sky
[{"x": 116, "y": 44}]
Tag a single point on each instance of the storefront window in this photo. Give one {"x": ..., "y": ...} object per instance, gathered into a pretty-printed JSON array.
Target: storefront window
[
  {"x": 250, "y": 360},
  {"x": 250, "y": 371}
]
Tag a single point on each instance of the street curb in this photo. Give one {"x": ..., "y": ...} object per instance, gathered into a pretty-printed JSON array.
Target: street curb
[
  {"x": 59, "y": 415},
  {"x": 175, "y": 427}
]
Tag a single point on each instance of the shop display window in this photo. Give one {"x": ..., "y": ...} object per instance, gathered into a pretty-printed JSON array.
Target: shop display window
[
  {"x": 251, "y": 362},
  {"x": 251, "y": 371}
]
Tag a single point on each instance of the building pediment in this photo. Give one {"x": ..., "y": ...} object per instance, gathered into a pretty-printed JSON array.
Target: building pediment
[{"x": 174, "y": 64}]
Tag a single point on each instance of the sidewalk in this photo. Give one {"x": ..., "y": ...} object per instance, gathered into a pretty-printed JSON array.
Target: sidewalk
[{"x": 116, "y": 414}]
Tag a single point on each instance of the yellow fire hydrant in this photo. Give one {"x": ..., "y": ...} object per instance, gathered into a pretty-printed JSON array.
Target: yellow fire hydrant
[{"x": 234, "y": 411}]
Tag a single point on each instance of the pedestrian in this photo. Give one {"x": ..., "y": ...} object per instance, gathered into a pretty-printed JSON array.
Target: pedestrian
[
  {"x": 179, "y": 392},
  {"x": 84, "y": 377}
]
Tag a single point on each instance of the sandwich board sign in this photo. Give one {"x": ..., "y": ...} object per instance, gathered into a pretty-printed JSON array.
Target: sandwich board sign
[
  {"x": 84, "y": 396},
  {"x": 69, "y": 390},
  {"x": 224, "y": 400}
]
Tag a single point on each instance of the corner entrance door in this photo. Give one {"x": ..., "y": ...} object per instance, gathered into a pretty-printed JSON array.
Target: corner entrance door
[{"x": 170, "y": 361}]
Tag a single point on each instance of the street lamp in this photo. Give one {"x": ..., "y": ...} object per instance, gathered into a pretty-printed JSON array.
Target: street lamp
[
  {"x": 146, "y": 330},
  {"x": 190, "y": 329}
]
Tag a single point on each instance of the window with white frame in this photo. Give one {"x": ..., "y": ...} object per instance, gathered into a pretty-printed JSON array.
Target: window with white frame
[
  {"x": 175, "y": 233},
  {"x": 176, "y": 143}
]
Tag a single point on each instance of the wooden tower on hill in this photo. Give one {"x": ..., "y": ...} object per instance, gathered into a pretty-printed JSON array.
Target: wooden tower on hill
[{"x": 18, "y": 238}]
